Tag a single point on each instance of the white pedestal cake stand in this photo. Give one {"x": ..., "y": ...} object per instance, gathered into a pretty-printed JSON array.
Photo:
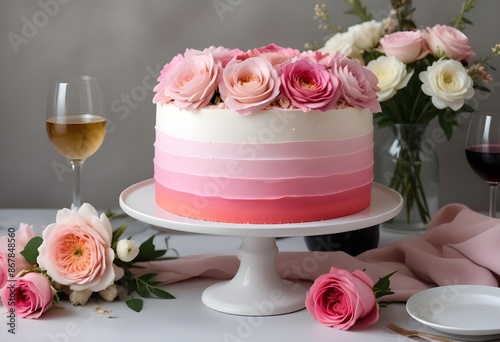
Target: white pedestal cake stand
[{"x": 257, "y": 289}]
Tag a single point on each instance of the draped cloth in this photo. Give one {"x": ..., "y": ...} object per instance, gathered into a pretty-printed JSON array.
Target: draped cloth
[{"x": 460, "y": 246}]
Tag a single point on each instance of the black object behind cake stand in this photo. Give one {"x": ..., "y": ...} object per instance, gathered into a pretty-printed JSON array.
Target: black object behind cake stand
[{"x": 257, "y": 289}]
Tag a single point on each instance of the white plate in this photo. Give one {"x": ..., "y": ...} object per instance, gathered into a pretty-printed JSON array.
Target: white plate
[{"x": 458, "y": 309}]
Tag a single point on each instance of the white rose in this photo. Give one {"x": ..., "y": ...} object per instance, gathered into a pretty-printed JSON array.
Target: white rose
[
  {"x": 448, "y": 83},
  {"x": 79, "y": 297},
  {"x": 343, "y": 42},
  {"x": 367, "y": 34},
  {"x": 126, "y": 250},
  {"x": 391, "y": 74}
]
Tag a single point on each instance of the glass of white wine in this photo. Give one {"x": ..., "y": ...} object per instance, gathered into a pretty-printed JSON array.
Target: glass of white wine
[{"x": 75, "y": 123}]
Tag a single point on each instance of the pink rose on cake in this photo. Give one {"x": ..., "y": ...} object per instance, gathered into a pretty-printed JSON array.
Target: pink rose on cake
[
  {"x": 359, "y": 85},
  {"x": 264, "y": 77},
  {"x": 277, "y": 55},
  {"x": 76, "y": 249},
  {"x": 310, "y": 86},
  {"x": 191, "y": 82},
  {"x": 249, "y": 85}
]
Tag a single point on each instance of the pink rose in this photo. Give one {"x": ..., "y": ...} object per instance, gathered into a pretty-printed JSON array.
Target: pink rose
[
  {"x": 447, "y": 40},
  {"x": 310, "y": 86},
  {"x": 189, "y": 83},
  {"x": 407, "y": 46},
  {"x": 323, "y": 58},
  {"x": 275, "y": 54},
  {"x": 162, "y": 79},
  {"x": 76, "y": 250},
  {"x": 30, "y": 296},
  {"x": 343, "y": 300},
  {"x": 223, "y": 54},
  {"x": 359, "y": 85},
  {"x": 249, "y": 85},
  {"x": 22, "y": 236},
  {"x": 4, "y": 269}
]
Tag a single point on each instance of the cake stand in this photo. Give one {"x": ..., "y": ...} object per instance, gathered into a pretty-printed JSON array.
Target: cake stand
[{"x": 257, "y": 289}]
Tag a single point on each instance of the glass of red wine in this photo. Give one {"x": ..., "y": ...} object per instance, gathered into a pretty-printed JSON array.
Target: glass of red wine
[{"x": 482, "y": 149}]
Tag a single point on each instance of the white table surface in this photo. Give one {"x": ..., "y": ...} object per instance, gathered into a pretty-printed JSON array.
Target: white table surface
[{"x": 185, "y": 318}]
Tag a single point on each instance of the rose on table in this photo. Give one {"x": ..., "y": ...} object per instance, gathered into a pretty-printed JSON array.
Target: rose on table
[{"x": 342, "y": 300}]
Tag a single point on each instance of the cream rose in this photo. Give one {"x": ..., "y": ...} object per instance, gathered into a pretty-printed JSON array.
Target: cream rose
[
  {"x": 391, "y": 74},
  {"x": 448, "y": 83},
  {"x": 76, "y": 250},
  {"x": 367, "y": 34},
  {"x": 343, "y": 42}
]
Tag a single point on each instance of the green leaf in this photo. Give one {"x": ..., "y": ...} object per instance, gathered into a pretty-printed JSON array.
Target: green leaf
[
  {"x": 131, "y": 287},
  {"x": 147, "y": 277},
  {"x": 383, "y": 286},
  {"x": 143, "y": 289},
  {"x": 30, "y": 252},
  {"x": 147, "y": 251},
  {"x": 446, "y": 125},
  {"x": 161, "y": 293},
  {"x": 117, "y": 233},
  {"x": 135, "y": 304}
]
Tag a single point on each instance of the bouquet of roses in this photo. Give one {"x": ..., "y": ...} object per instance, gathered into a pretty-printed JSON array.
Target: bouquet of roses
[
  {"x": 77, "y": 256},
  {"x": 423, "y": 73}
]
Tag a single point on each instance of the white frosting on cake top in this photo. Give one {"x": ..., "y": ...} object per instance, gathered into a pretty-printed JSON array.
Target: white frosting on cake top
[{"x": 267, "y": 126}]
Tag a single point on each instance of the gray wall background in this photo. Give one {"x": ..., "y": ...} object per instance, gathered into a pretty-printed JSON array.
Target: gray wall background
[{"x": 126, "y": 42}]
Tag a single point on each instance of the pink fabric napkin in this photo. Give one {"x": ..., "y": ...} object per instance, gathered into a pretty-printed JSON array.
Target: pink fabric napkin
[{"x": 460, "y": 246}]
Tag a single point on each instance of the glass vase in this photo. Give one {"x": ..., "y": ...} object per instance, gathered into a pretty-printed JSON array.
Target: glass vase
[{"x": 407, "y": 163}]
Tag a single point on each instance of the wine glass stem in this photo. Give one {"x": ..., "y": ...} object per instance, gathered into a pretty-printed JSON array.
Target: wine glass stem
[
  {"x": 493, "y": 199},
  {"x": 76, "y": 165}
]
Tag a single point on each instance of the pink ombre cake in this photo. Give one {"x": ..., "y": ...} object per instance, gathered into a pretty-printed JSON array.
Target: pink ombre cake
[
  {"x": 274, "y": 166},
  {"x": 267, "y": 136}
]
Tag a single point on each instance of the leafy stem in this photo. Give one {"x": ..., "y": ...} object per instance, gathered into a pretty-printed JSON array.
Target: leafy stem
[{"x": 460, "y": 21}]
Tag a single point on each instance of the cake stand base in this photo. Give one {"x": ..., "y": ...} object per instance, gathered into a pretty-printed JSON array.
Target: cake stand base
[{"x": 256, "y": 289}]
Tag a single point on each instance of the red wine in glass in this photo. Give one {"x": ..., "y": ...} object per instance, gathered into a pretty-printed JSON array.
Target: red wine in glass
[
  {"x": 485, "y": 161},
  {"x": 482, "y": 150}
]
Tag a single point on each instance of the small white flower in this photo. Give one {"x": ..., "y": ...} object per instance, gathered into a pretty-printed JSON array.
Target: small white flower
[
  {"x": 391, "y": 74},
  {"x": 448, "y": 83},
  {"x": 126, "y": 250},
  {"x": 109, "y": 293},
  {"x": 79, "y": 297}
]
